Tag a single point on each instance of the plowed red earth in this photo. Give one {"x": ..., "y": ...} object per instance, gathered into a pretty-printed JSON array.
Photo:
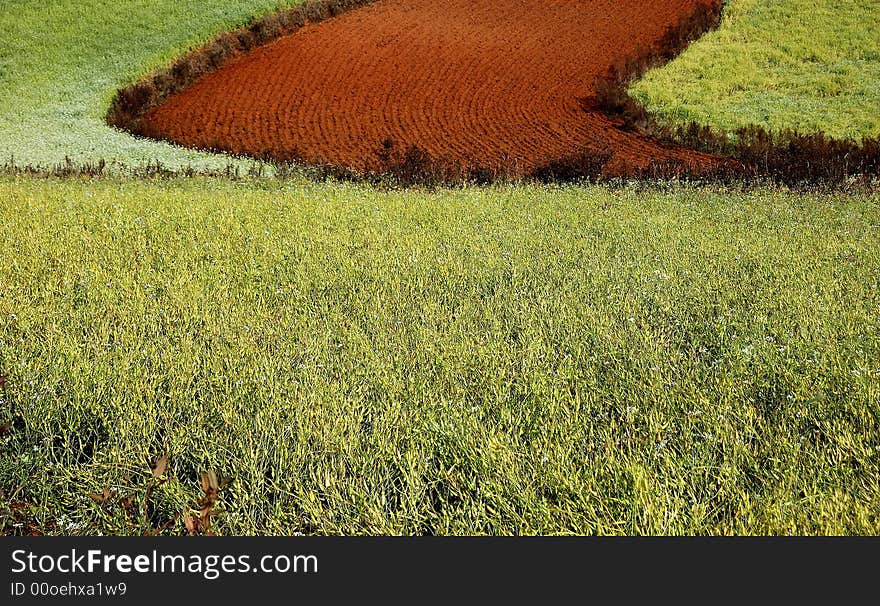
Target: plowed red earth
[{"x": 480, "y": 82}]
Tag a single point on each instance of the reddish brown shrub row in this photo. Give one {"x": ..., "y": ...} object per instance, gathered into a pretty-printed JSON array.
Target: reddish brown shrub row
[
  {"x": 787, "y": 157},
  {"x": 132, "y": 102},
  {"x": 588, "y": 165},
  {"x": 415, "y": 166}
]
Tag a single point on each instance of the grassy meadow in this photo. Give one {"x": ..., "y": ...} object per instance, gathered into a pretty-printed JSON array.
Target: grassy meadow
[
  {"x": 806, "y": 65},
  {"x": 518, "y": 359}
]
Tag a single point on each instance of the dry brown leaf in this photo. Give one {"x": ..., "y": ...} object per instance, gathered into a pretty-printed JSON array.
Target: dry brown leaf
[
  {"x": 100, "y": 497},
  {"x": 189, "y": 523},
  {"x": 161, "y": 466}
]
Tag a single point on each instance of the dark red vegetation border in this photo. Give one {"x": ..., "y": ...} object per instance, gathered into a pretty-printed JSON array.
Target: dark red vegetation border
[{"x": 753, "y": 153}]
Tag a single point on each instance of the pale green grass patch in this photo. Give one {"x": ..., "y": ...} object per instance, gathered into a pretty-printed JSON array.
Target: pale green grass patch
[
  {"x": 783, "y": 64},
  {"x": 61, "y": 63}
]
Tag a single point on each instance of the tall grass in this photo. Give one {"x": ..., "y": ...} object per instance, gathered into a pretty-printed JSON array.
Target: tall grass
[{"x": 487, "y": 360}]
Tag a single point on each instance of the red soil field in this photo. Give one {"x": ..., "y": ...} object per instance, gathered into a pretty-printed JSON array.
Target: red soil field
[{"x": 483, "y": 83}]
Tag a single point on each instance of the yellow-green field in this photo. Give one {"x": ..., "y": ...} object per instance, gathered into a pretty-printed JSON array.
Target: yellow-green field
[{"x": 486, "y": 360}]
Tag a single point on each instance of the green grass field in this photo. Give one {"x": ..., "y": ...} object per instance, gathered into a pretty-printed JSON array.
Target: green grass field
[
  {"x": 811, "y": 66},
  {"x": 509, "y": 359},
  {"x": 61, "y": 63},
  {"x": 513, "y": 360}
]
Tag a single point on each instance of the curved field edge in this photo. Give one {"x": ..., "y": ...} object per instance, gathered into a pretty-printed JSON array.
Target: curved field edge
[
  {"x": 487, "y": 360},
  {"x": 61, "y": 64},
  {"x": 786, "y": 65},
  {"x": 322, "y": 96},
  {"x": 787, "y": 157}
]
